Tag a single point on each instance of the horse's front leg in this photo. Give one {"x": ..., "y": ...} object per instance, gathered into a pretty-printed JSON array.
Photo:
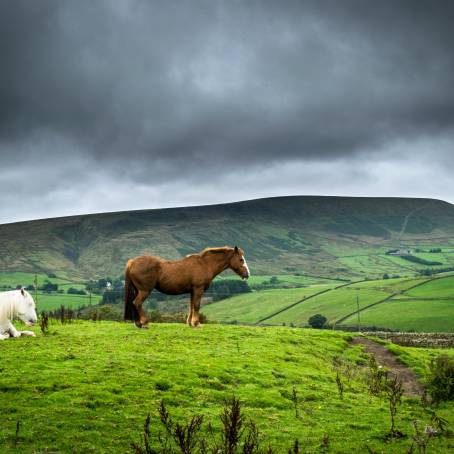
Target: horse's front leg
[
  {"x": 12, "y": 330},
  {"x": 4, "y": 336},
  {"x": 196, "y": 296},
  {"x": 142, "y": 322}
]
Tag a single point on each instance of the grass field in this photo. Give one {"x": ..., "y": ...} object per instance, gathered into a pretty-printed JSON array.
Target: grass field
[
  {"x": 51, "y": 301},
  {"x": 87, "y": 387},
  {"x": 338, "y": 303},
  {"x": 285, "y": 280},
  {"x": 408, "y": 315},
  {"x": 251, "y": 307},
  {"x": 13, "y": 279},
  {"x": 426, "y": 308},
  {"x": 439, "y": 288}
]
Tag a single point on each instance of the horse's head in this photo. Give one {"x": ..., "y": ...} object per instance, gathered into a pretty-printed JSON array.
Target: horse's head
[
  {"x": 26, "y": 309},
  {"x": 238, "y": 263}
]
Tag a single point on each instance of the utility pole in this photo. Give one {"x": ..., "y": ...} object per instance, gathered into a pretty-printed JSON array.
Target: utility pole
[
  {"x": 357, "y": 311},
  {"x": 36, "y": 289}
]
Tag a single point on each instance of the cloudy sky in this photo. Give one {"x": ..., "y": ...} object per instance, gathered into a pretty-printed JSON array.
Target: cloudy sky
[{"x": 129, "y": 104}]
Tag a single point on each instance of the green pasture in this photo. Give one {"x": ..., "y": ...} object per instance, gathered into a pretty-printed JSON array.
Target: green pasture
[
  {"x": 445, "y": 259},
  {"x": 13, "y": 279},
  {"x": 285, "y": 280},
  {"x": 333, "y": 305},
  {"x": 409, "y": 315},
  {"x": 87, "y": 387},
  {"x": 437, "y": 288},
  {"x": 52, "y": 301},
  {"x": 372, "y": 265},
  {"x": 251, "y": 307},
  {"x": 340, "y": 302}
]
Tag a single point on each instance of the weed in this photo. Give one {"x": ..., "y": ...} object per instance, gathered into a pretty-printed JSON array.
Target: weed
[
  {"x": 394, "y": 391},
  {"x": 295, "y": 449},
  {"x": 44, "y": 323},
  {"x": 422, "y": 437},
  {"x": 295, "y": 401},
  {"x": 324, "y": 445},
  {"x": 340, "y": 385},
  {"x": 377, "y": 377},
  {"x": 238, "y": 435},
  {"x": 16, "y": 435}
]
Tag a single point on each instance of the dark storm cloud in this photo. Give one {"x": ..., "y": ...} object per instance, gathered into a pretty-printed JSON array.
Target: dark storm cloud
[{"x": 164, "y": 91}]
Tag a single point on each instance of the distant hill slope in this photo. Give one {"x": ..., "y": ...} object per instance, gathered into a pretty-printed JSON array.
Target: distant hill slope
[{"x": 336, "y": 236}]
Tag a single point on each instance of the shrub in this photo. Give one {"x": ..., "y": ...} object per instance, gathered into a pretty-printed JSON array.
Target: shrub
[
  {"x": 317, "y": 321},
  {"x": 75, "y": 291},
  {"x": 441, "y": 378}
]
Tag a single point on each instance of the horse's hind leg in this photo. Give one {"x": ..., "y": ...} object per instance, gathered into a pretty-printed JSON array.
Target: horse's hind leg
[
  {"x": 142, "y": 295},
  {"x": 190, "y": 310}
]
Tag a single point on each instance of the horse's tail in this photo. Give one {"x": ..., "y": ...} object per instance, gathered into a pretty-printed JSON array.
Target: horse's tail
[{"x": 131, "y": 312}]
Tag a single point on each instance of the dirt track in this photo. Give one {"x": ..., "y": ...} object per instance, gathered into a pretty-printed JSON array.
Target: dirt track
[{"x": 385, "y": 358}]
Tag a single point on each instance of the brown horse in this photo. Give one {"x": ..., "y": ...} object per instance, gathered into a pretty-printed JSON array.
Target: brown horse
[{"x": 193, "y": 275}]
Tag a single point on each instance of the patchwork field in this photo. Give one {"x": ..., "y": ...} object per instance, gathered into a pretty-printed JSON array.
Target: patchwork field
[
  {"x": 428, "y": 307},
  {"x": 87, "y": 387},
  {"x": 251, "y": 307},
  {"x": 339, "y": 305}
]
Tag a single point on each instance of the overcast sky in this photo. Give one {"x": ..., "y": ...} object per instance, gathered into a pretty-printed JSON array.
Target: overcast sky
[{"x": 117, "y": 105}]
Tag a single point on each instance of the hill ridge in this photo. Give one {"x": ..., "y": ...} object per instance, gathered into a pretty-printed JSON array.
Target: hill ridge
[{"x": 284, "y": 234}]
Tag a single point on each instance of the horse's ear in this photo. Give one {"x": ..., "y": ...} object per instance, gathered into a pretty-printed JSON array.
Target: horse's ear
[
  {"x": 236, "y": 249},
  {"x": 22, "y": 291}
]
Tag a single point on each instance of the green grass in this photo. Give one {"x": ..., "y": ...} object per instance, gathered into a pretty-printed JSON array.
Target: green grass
[
  {"x": 338, "y": 303},
  {"x": 408, "y": 315},
  {"x": 87, "y": 387},
  {"x": 439, "y": 288},
  {"x": 285, "y": 280},
  {"x": 332, "y": 305},
  {"x": 251, "y": 307},
  {"x": 51, "y": 301},
  {"x": 418, "y": 358},
  {"x": 14, "y": 279},
  {"x": 371, "y": 265},
  {"x": 433, "y": 257}
]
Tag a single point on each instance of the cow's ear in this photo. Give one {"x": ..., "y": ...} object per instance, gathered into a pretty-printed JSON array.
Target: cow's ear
[
  {"x": 236, "y": 249},
  {"x": 22, "y": 291}
]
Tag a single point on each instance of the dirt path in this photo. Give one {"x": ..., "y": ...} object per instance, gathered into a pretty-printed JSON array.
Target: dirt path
[{"x": 385, "y": 358}]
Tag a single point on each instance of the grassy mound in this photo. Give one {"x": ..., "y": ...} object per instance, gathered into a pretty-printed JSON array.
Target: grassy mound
[{"x": 87, "y": 387}]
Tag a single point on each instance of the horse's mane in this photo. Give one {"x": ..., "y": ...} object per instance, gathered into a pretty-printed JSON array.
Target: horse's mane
[{"x": 215, "y": 250}]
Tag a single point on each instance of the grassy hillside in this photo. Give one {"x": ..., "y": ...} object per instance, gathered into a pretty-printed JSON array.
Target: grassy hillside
[
  {"x": 87, "y": 387},
  {"x": 316, "y": 236},
  {"x": 420, "y": 304}
]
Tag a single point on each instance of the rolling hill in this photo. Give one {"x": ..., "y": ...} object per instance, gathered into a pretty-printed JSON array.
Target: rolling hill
[{"x": 318, "y": 236}]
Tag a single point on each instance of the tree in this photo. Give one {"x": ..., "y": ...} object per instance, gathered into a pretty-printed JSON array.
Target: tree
[
  {"x": 317, "y": 321},
  {"x": 48, "y": 287}
]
